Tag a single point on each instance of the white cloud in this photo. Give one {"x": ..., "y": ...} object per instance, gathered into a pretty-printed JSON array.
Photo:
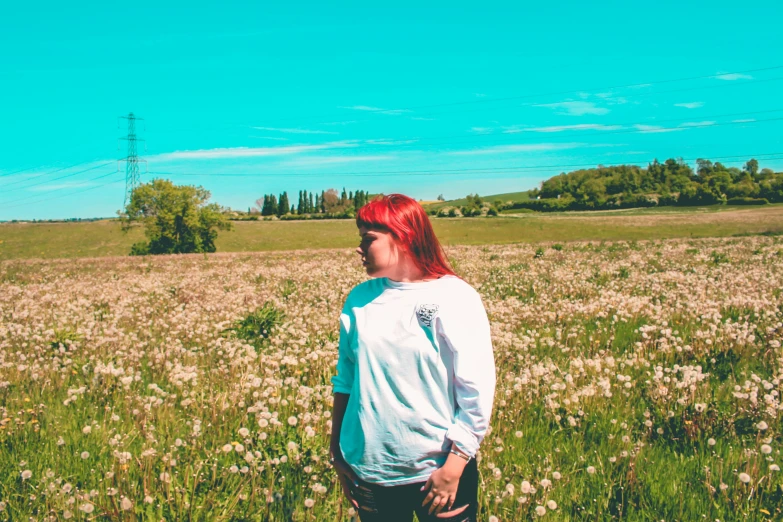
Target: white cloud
[
  {"x": 390, "y": 142},
  {"x": 422, "y": 118},
  {"x": 648, "y": 129},
  {"x": 331, "y": 160},
  {"x": 575, "y": 108},
  {"x": 370, "y": 108},
  {"x": 747, "y": 120},
  {"x": 734, "y": 76},
  {"x": 697, "y": 124},
  {"x": 249, "y": 152},
  {"x": 690, "y": 105},
  {"x": 561, "y": 128},
  {"x": 294, "y": 131},
  {"x": 481, "y": 130},
  {"x": 531, "y": 147},
  {"x": 269, "y": 138}
]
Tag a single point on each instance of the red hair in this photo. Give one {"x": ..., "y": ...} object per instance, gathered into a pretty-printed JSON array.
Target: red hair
[{"x": 405, "y": 219}]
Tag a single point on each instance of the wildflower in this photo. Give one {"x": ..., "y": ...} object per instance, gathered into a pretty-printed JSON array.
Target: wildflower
[
  {"x": 87, "y": 508},
  {"x": 556, "y": 475},
  {"x": 227, "y": 448},
  {"x": 525, "y": 487},
  {"x": 87, "y": 430},
  {"x": 518, "y": 434},
  {"x": 26, "y": 474},
  {"x": 244, "y": 432},
  {"x": 126, "y": 504},
  {"x": 309, "y": 503},
  {"x": 292, "y": 421},
  {"x": 744, "y": 478},
  {"x": 774, "y": 467},
  {"x": 551, "y": 504},
  {"x": 591, "y": 469},
  {"x": 85, "y": 455},
  {"x": 711, "y": 441},
  {"x": 762, "y": 426},
  {"x": 766, "y": 449},
  {"x": 540, "y": 511}
]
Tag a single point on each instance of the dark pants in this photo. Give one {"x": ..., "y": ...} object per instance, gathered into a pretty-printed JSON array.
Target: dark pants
[{"x": 398, "y": 503}]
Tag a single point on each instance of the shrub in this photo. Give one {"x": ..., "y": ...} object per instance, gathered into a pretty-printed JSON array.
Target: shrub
[{"x": 256, "y": 327}]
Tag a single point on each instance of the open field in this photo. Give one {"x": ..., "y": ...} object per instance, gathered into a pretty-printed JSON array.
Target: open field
[
  {"x": 637, "y": 381},
  {"x": 104, "y": 238}
]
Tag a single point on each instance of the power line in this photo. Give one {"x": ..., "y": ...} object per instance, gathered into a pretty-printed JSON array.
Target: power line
[
  {"x": 59, "y": 178},
  {"x": 46, "y": 173},
  {"x": 17, "y": 204},
  {"x": 453, "y": 171}
]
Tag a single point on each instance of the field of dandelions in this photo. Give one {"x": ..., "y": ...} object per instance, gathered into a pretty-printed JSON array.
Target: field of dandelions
[{"x": 636, "y": 381}]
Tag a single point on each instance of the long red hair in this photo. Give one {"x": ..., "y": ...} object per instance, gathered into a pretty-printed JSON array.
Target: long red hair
[{"x": 409, "y": 224}]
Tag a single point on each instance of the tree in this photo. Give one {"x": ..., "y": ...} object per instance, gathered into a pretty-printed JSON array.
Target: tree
[
  {"x": 310, "y": 204},
  {"x": 177, "y": 218},
  {"x": 441, "y": 198},
  {"x": 752, "y": 167},
  {"x": 283, "y": 205},
  {"x": 300, "y": 207},
  {"x": 331, "y": 200}
]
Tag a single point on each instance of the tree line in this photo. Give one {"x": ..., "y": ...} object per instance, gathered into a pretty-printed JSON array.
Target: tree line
[
  {"x": 672, "y": 182},
  {"x": 327, "y": 203}
]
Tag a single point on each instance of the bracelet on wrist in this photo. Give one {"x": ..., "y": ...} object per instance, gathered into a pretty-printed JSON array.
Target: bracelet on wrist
[{"x": 460, "y": 455}]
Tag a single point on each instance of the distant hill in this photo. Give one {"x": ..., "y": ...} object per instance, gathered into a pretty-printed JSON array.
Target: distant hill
[{"x": 514, "y": 197}]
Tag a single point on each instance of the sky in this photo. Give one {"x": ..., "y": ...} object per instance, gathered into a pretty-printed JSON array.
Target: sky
[{"x": 422, "y": 98}]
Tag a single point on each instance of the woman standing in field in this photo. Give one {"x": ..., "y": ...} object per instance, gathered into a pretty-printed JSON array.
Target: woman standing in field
[{"x": 415, "y": 376}]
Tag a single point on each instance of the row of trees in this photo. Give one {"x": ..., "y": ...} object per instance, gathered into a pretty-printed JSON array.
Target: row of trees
[
  {"x": 328, "y": 202},
  {"x": 672, "y": 182}
]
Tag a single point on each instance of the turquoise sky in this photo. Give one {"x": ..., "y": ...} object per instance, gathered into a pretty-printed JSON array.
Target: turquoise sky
[{"x": 247, "y": 98}]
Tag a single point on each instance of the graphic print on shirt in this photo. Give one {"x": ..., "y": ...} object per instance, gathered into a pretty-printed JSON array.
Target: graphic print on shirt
[{"x": 426, "y": 313}]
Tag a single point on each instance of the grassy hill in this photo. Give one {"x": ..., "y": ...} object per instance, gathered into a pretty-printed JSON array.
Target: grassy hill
[{"x": 508, "y": 196}]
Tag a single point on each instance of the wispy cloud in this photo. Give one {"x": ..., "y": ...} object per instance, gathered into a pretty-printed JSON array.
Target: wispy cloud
[
  {"x": 64, "y": 185},
  {"x": 370, "y": 108},
  {"x": 348, "y": 122},
  {"x": 481, "y": 130},
  {"x": 734, "y": 76},
  {"x": 332, "y": 160},
  {"x": 690, "y": 105},
  {"x": 390, "y": 142},
  {"x": 746, "y": 120},
  {"x": 249, "y": 152},
  {"x": 294, "y": 131},
  {"x": 576, "y": 108},
  {"x": 528, "y": 147},
  {"x": 422, "y": 118},
  {"x": 561, "y": 128},
  {"x": 268, "y": 138},
  {"x": 697, "y": 124},
  {"x": 649, "y": 129}
]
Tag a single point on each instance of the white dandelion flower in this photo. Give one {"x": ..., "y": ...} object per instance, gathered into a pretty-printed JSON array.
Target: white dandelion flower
[
  {"x": 551, "y": 504},
  {"x": 744, "y": 478},
  {"x": 26, "y": 474},
  {"x": 126, "y": 504},
  {"x": 591, "y": 469},
  {"x": 309, "y": 503},
  {"x": 85, "y": 455},
  {"x": 540, "y": 511},
  {"x": 227, "y": 448},
  {"x": 766, "y": 449}
]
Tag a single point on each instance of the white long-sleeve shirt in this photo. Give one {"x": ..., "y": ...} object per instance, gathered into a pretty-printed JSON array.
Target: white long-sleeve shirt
[{"x": 417, "y": 362}]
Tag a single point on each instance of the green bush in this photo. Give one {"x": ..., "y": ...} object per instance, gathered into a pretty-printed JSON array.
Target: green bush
[{"x": 256, "y": 327}]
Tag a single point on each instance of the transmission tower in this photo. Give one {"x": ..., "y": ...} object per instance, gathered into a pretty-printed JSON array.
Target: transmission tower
[{"x": 132, "y": 177}]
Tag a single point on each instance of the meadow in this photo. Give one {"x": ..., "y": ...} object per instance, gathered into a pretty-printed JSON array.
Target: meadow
[
  {"x": 637, "y": 380},
  {"x": 104, "y": 238}
]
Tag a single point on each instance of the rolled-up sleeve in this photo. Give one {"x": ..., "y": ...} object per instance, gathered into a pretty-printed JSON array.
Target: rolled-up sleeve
[
  {"x": 465, "y": 326},
  {"x": 346, "y": 366}
]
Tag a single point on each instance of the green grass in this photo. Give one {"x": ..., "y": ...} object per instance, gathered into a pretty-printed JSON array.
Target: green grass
[
  {"x": 104, "y": 238},
  {"x": 508, "y": 196}
]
